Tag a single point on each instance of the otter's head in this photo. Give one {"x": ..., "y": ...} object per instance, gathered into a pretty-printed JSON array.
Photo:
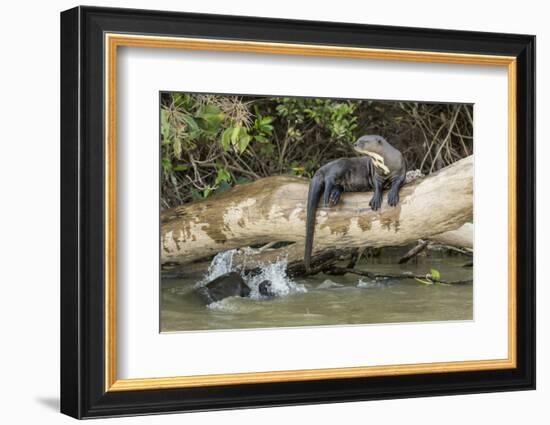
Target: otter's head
[
  {"x": 376, "y": 147},
  {"x": 371, "y": 144}
]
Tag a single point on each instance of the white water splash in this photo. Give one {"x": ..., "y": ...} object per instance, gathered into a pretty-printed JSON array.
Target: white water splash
[
  {"x": 281, "y": 284},
  {"x": 223, "y": 305},
  {"x": 329, "y": 284},
  {"x": 221, "y": 264},
  {"x": 275, "y": 273},
  {"x": 369, "y": 284}
]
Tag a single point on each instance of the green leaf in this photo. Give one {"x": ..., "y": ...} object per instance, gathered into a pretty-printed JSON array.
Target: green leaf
[
  {"x": 435, "y": 273},
  {"x": 267, "y": 128},
  {"x": 166, "y": 165},
  {"x": 191, "y": 123},
  {"x": 207, "y": 192},
  {"x": 263, "y": 124},
  {"x": 177, "y": 146},
  {"x": 214, "y": 121},
  {"x": 195, "y": 194},
  {"x": 164, "y": 125},
  {"x": 210, "y": 118},
  {"x": 179, "y": 100},
  {"x": 235, "y": 134},
  {"x": 210, "y": 109},
  {"x": 223, "y": 187},
  {"x": 226, "y": 138},
  {"x": 222, "y": 176},
  {"x": 243, "y": 142},
  {"x": 266, "y": 120},
  {"x": 181, "y": 167}
]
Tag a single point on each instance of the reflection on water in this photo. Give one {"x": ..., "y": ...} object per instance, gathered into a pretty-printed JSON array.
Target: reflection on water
[{"x": 329, "y": 300}]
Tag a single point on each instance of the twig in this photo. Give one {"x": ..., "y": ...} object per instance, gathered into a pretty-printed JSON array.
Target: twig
[
  {"x": 267, "y": 246},
  {"x": 446, "y": 139},
  {"x": 421, "y": 246},
  {"x": 402, "y": 276},
  {"x": 244, "y": 164},
  {"x": 233, "y": 168},
  {"x": 465, "y": 251}
]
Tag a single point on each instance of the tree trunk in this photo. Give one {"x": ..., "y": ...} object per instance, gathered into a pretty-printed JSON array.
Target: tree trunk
[
  {"x": 462, "y": 237},
  {"x": 274, "y": 209}
]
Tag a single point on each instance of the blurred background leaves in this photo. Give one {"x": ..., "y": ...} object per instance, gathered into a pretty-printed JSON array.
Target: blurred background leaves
[{"x": 210, "y": 143}]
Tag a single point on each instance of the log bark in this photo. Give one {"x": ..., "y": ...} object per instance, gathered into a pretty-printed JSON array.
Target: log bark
[
  {"x": 463, "y": 237},
  {"x": 274, "y": 209}
]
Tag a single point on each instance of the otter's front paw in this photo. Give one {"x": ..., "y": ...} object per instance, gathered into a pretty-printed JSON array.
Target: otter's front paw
[
  {"x": 334, "y": 197},
  {"x": 393, "y": 198},
  {"x": 375, "y": 202}
]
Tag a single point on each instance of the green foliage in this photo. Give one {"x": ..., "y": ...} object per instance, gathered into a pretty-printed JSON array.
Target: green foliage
[
  {"x": 223, "y": 176},
  {"x": 334, "y": 116},
  {"x": 263, "y": 127},
  {"x": 431, "y": 278},
  {"x": 210, "y": 143},
  {"x": 434, "y": 274}
]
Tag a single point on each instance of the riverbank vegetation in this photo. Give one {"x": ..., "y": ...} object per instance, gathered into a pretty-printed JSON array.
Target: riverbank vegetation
[{"x": 210, "y": 143}]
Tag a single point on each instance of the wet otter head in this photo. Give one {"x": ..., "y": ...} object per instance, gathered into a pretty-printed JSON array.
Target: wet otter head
[
  {"x": 376, "y": 147},
  {"x": 371, "y": 144}
]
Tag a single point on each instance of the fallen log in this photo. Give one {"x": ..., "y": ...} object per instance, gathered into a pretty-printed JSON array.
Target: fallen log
[
  {"x": 273, "y": 209},
  {"x": 463, "y": 237},
  {"x": 460, "y": 240}
]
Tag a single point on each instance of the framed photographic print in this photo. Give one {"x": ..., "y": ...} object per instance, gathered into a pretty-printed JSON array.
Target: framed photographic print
[{"x": 261, "y": 212}]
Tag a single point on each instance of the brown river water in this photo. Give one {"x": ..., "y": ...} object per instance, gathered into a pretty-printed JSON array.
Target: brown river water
[{"x": 326, "y": 300}]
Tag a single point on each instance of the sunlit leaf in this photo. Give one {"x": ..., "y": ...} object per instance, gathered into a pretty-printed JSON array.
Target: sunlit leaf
[
  {"x": 164, "y": 125},
  {"x": 181, "y": 167},
  {"x": 226, "y": 138},
  {"x": 177, "y": 148},
  {"x": 235, "y": 134},
  {"x": 191, "y": 123},
  {"x": 222, "y": 176},
  {"x": 207, "y": 192},
  {"x": 435, "y": 273},
  {"x": 210, "y": 110},
  {"x": 243, "y": 142}
]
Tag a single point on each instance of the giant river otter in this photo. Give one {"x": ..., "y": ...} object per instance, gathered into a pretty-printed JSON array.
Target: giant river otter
[
  {"x": 382, "y": 167},
  {"x": 231, "y": 285}
]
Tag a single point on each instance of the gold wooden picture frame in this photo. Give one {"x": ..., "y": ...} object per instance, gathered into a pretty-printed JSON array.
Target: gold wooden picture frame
[
  {"x": 114, "y": 29},
  {"x": 114, "y": 41}
]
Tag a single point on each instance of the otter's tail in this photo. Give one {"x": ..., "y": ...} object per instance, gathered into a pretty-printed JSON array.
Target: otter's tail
[{"x": 314, "y": 194}]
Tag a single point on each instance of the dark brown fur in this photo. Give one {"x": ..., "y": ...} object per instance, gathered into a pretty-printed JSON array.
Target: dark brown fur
[{"x": 358, "y": 174}]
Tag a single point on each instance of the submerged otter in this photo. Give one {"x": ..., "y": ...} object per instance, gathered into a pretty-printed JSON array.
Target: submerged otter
[
  {"x": 228, "y": 285},
  {"x": 231, "y": 285},
  {"x": 382, "y": 167}
]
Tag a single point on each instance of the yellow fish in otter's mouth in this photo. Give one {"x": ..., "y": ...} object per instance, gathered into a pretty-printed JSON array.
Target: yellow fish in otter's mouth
[{"x": 377, "y": 160}]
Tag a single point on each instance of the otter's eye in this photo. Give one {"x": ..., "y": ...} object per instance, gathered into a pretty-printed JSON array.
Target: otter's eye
[{"x": 379, "y": 141}]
